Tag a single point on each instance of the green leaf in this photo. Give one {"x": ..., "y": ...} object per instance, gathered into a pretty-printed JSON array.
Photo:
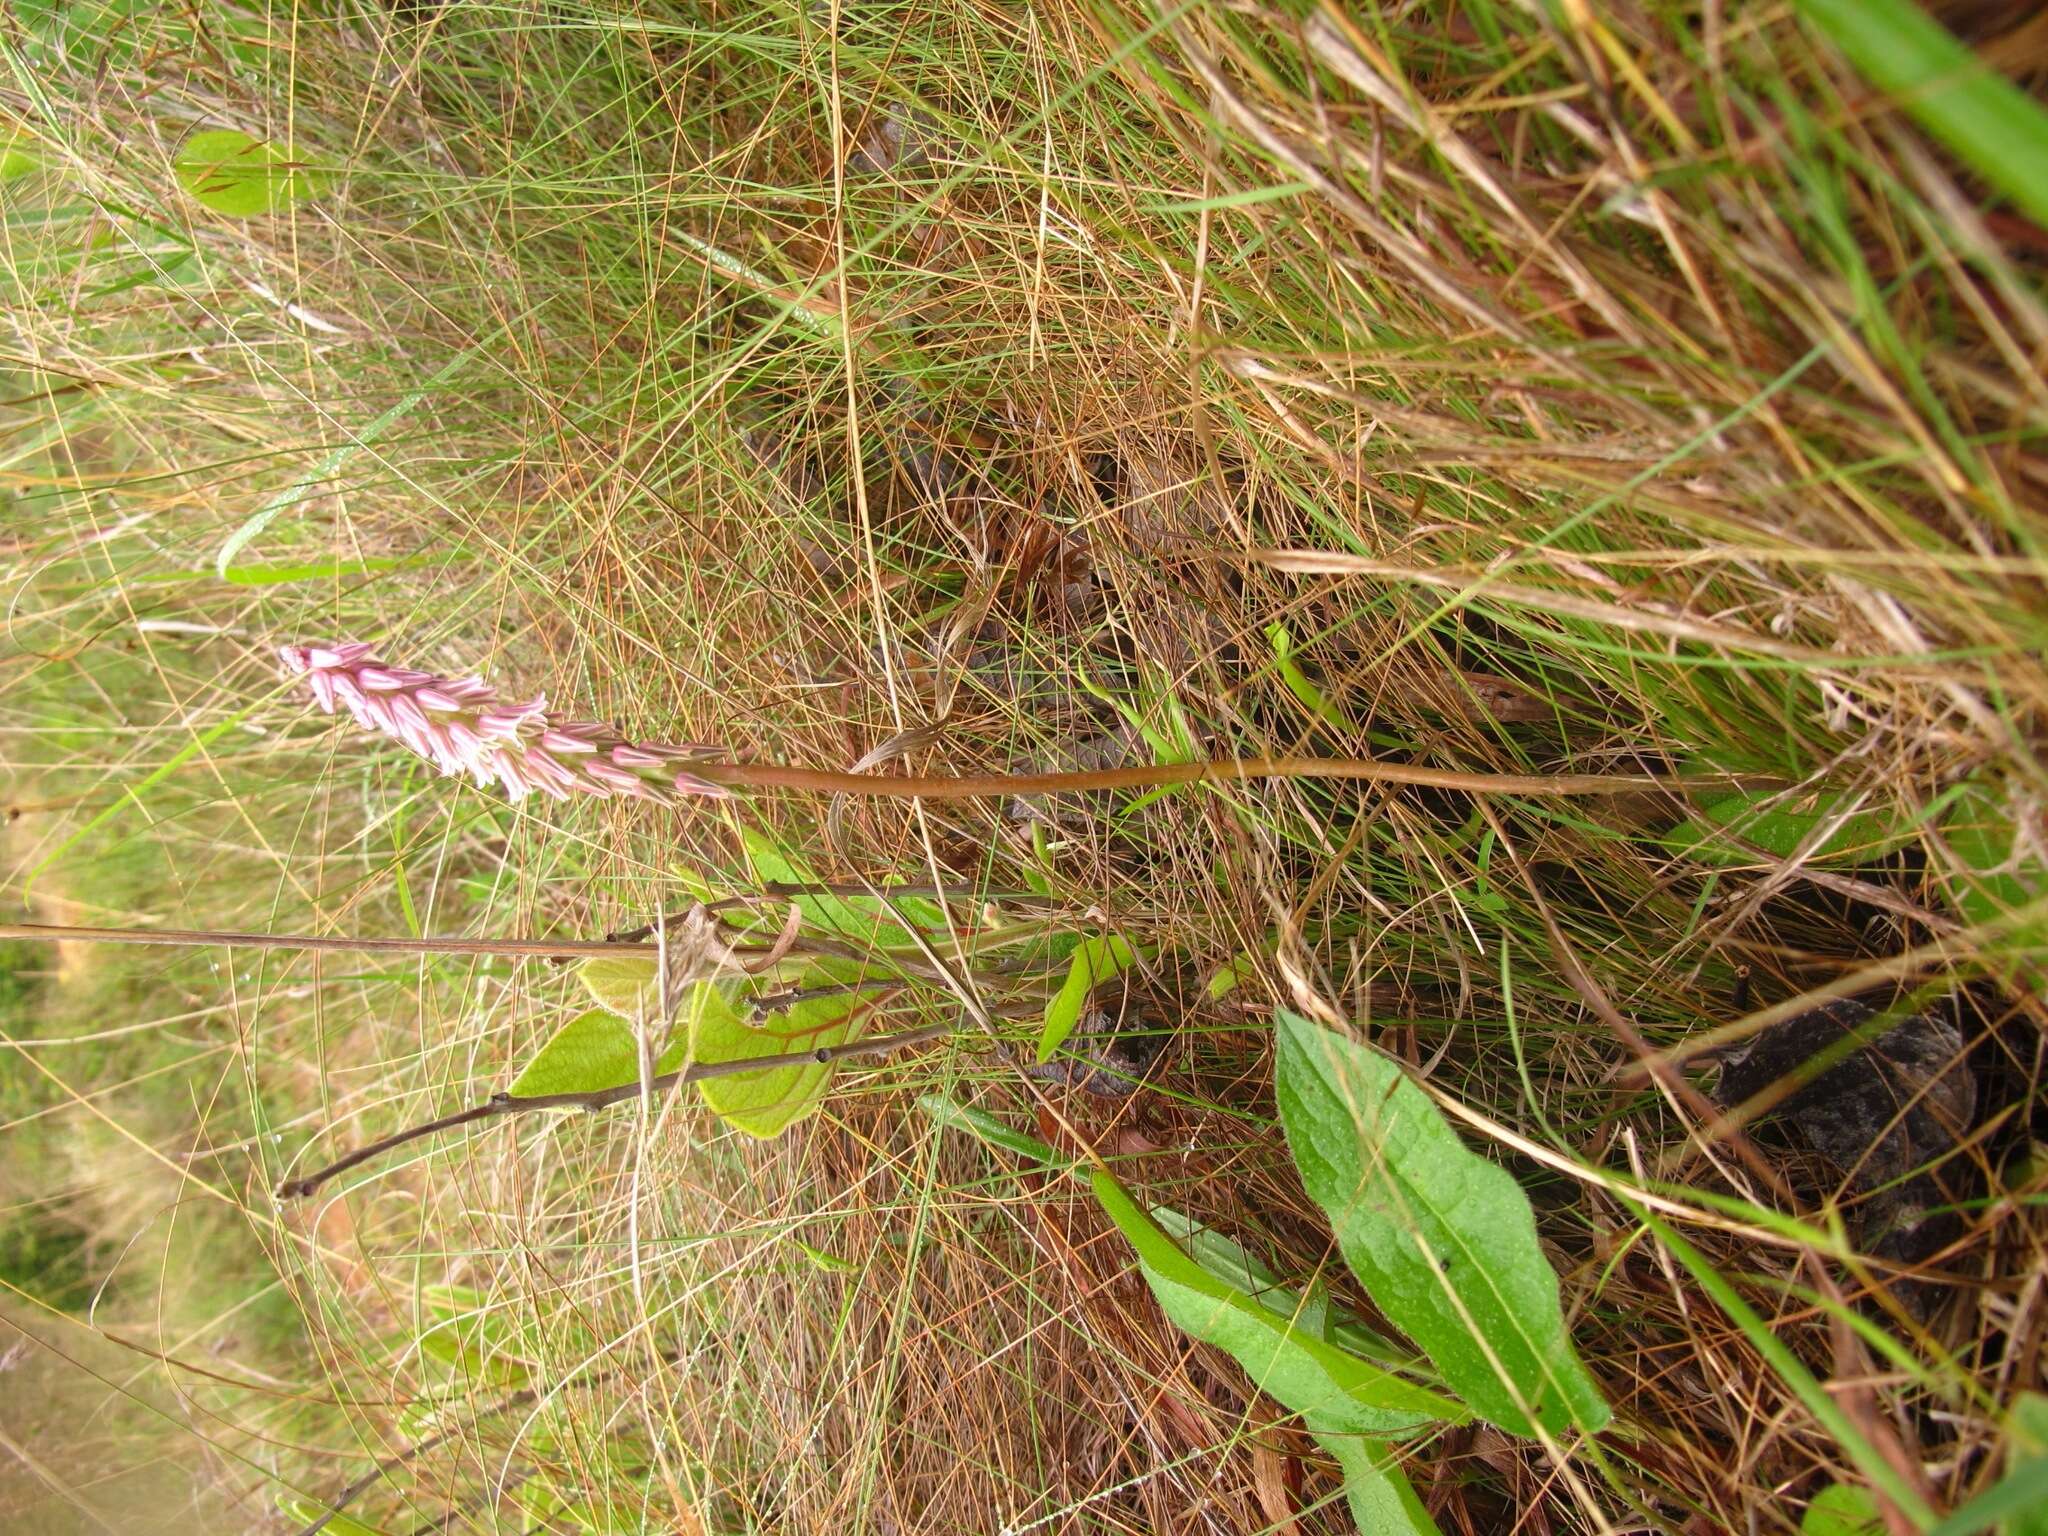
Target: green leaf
[
  {"x": 592, "y": 1052},
  {"x": 1443, "y": 1240},
  {"x": 2015, "y": 1503},
  {"x": 1842, "y": 1509},
  {"x": 18, "y": 155},
  {"x": 1230, "y": 976},
  {"x": 306, "y": 1511},
  {"x": 1382, "y": 1500},
  {"x": 831, "y": 1263},
  {"x": 984, "y": 1126},
  {"x": 625, "y": 984},
  {"x": 1991, "y": 124},
  {"x": 461, "y": 1350},
  {"x": 2018, "y": 1502},
  {"x": 1305, "y": 692},
  {"x": 1981, "y": 836},
  {"x": 1094, "y": 961},
  {"x": 356, "y": 441},
  {"x": 228, "y": 172},
  {"x": 1228, "y": 1262},
  {"x": 1157, "y": 717},
  {"x": 862, "y": 920},
  {"x": 596, "y": 1051},
  {"x": 764, "y": 1103},
  {"x": 1778, "y": 826},
  {"x": 2026, "y": 1454},
  {"x": 1335, "y": 1392}
]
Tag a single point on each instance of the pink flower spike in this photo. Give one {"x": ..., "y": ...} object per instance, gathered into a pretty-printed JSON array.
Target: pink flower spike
[
  {"x": 551, "y": 789},
  {"x": 380, "y": 714},
  {"x": 681, "y": 752},
  {"x": 618, "y": 780},
  {"x": 690, "y": 784},
  {"x": 465, "y": 726},
  {"x": 511, "y": 772},
  {"x": 545, "y": 771}
]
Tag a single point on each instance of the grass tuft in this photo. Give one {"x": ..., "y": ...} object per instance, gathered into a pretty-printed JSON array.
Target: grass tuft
[{"x": 1503, "y": 388}]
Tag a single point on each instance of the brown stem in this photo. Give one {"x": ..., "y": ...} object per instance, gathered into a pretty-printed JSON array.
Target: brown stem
[
  {"x": 499, "y": 1105},
  {"x": 191, "y": 937},
  {"x": 1159, "y": 775}
]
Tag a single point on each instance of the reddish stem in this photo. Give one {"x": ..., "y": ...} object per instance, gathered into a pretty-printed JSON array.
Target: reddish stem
[{"x": 1160, "y": 775}]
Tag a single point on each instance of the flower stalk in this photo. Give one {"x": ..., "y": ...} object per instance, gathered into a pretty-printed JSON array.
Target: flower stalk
[{"x": 464, "y": 727}]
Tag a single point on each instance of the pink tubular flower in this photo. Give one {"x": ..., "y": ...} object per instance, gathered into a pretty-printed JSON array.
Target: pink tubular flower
[{"x": 464, "y": 727}]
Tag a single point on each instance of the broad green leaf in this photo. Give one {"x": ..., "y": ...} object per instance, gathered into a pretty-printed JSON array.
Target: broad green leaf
[
  {"x": 1230, "y": 976},
  {"x": 1382, "y": 1500},
  {"x": 1094, "y": 961},
  {"x": 86, "y": 37},
  {"x": 1443, "y": 1240},
  {"x": 483, "y": 1337},
  {"x": 1981, "y": 835},
  {"x": 1991, "y": 124},
  {"x": 861, "y": 919},
  {"x": 699, "y": 885},
  {"x": 306, "y": 1511},
  {"x": 596, "y": 1051},
  {"x": 1334, "y": 1392},
  {"x": 552, "y": 1509},
  {"x": 2014, "y": 1505},
  {"x": 763, "y": 1103},
  {"x": 624, "y": 985},
  {"x": 592, "y": 1052},
  {"x": 228, "y": 172},
  {"x": 1842, "y": 1509},
  {"x": 1779, "y": 826}
]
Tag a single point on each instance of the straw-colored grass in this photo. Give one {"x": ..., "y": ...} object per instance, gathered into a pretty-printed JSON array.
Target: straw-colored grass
[{"x": 1590, "y": 389}]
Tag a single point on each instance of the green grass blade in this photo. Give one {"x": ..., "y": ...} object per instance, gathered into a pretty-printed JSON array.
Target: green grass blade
[{"x": 1979, "y": 114}]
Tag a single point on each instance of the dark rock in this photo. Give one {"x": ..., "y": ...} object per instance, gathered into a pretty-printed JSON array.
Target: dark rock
[{"x": 1887, "y": 1113}]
